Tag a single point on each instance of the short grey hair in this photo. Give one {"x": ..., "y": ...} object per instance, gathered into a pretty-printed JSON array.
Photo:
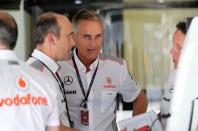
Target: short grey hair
[{"x": 84, "y": 14}]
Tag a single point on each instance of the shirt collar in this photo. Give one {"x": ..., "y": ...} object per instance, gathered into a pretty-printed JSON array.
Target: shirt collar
[
  {"x": 49, "y": 62},
  {"x": 81, "y": 66},
  {"x": 8, "y": 55}
]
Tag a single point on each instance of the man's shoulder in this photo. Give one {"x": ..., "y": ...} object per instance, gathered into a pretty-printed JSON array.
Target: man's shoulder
[
  {"x": 43, "y": 79},
  {"x": 31, "y": 70},
  {"x": 111, "y": 59},
  {"x": 35, "y": 63}
]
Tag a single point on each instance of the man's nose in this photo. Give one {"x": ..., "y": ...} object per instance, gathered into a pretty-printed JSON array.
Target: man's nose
[{"x": 93, "y": 41}]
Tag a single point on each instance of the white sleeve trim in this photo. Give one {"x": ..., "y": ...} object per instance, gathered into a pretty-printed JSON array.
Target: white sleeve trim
[
  {"x": 131, "y": 99},
  {"x": 53, "y": 123}
]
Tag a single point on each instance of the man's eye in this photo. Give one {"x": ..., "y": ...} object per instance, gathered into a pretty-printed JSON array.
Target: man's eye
[
  {"x": 87, "y": 37},
  {"x": 99, "y": 36}
]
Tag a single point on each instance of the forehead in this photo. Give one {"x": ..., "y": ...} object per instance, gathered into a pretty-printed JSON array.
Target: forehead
[
  {"x": 90, "y": 26},
  {"x": 178, "y": 37}
]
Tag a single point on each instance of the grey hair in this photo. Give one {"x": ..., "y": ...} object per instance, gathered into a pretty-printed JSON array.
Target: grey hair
[{"x": 84, "y": 14}]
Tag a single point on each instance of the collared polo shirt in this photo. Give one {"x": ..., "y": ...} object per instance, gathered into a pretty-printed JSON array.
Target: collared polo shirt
[
  {"x": 112, "y": 78},
  {"x": 38, "y": 56},
  {"x": 27, "y": 96},
  {"x": 83, "y": 69},
  {"x": 44, "y": 63}
]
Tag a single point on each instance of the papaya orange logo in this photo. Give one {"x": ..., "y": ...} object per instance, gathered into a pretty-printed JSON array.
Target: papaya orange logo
[{"x": 22, "y": 83}]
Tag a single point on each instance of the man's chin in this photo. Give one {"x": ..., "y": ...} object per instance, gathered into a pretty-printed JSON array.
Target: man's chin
[{"x": 93, "y": 57}]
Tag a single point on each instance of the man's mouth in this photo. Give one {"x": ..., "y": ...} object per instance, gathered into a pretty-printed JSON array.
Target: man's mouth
[{"x": 91, "y": 49}]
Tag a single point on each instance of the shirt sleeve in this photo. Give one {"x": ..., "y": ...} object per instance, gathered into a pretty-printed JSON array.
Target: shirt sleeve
[
  {"x": 64, "y": 119},
  {"x": 53, "y": 118},
  {"x": 129, "y": 88}
]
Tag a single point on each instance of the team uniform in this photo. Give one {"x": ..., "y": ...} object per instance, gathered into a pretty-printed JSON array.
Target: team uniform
[
  {"x": 166, "y": 98},
  {"x": 111, "y": 78},
  {"x": 27, "y": 96},
  {"x": 44, "y": 63}
]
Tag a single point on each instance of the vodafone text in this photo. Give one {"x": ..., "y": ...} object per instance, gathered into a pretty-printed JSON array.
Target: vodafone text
[{"x": 27, "y": 99}]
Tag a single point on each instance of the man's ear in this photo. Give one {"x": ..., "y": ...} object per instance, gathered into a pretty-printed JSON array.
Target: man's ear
[
  {"x": 74, "y": 37},
  {"x": 50, "y": 38}
]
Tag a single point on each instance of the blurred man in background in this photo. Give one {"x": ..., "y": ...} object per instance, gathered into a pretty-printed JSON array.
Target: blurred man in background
[{"x": 178, "y": 42}]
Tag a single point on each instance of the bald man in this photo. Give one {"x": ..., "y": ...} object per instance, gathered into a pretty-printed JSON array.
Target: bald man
[{"x": 53, "y": 41}]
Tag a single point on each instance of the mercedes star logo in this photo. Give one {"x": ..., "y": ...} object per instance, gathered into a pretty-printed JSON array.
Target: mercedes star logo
[{"x": 68, "y": 80}]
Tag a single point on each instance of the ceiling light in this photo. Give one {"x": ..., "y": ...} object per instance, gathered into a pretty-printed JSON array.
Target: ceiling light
[{"x": 78, "y": 2}]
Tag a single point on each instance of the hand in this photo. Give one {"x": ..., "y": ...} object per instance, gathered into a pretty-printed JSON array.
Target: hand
[
  {"x": 63, "y": 128},
  {"x": 124, "y": 129}
]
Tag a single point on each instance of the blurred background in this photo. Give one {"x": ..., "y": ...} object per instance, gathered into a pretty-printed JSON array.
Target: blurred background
[{"x": 140, "y": 31}]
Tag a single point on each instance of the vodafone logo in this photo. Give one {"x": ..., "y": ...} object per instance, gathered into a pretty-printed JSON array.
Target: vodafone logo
[
  {"x": 27, "y": 99},
  {"x": 22, "y": 83}
]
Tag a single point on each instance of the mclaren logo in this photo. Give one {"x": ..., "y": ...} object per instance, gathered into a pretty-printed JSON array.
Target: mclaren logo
[
  {"x": 109, "y": 80},
  {"x": 68, "y": 80},
  {"x": 109, "y": 83}
]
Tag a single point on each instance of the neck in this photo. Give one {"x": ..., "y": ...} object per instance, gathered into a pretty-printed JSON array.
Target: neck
[
  {"x": 2, "y": 47},
  {"x": 86, "y": 62},
  {"x": 46, "y": 51}
]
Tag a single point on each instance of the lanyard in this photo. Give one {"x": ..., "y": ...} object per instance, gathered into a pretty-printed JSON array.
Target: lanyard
[
  {"x": 62, "y": 89},
  {"x": 84, "y": 102}
]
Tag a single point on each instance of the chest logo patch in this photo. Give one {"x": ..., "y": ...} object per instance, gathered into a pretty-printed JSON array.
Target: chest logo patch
[
  {"x": 68, "y": 80},
  {"x": 108, "y": 80},
  {"x": 108, "y": 83}
]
